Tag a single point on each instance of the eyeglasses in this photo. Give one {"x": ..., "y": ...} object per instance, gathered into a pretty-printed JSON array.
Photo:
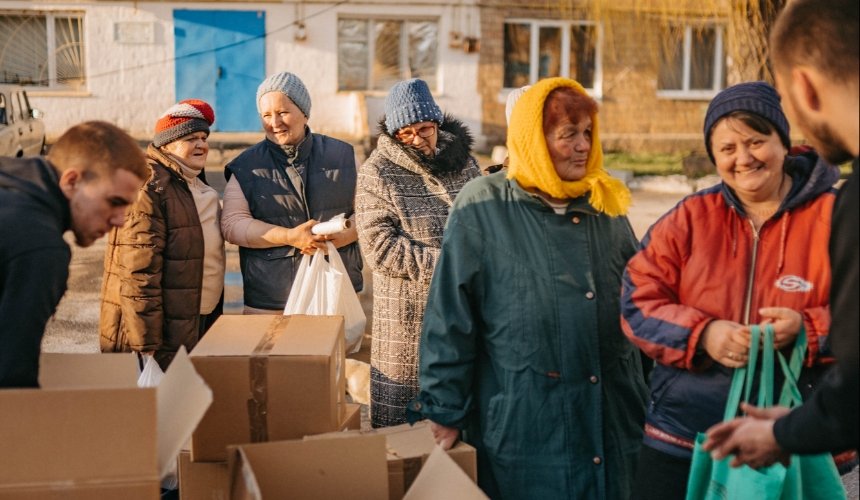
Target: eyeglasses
[{"x": 407, "y": 135}]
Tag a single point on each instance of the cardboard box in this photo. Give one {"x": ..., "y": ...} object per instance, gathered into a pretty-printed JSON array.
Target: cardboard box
[
  {"x": 351, "y": 418},
  {"x": 202, "y": 480},
  {"x": 353, "y": 467},
  {"x": 273, "y": 377},
  {"x": 90, "y": 432},
  {"x": 341, "y": 465},
  {"x": 408, "y": 447},
  {"x": 441, "y": 477},
  {"x": 211, "y": 480}
]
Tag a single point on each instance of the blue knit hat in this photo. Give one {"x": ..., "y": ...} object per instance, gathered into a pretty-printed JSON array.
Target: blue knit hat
[
  {"x": 410, "y": 102},
  {"x": 291, "y": 86},
  {"x": 753, "y": 97}
]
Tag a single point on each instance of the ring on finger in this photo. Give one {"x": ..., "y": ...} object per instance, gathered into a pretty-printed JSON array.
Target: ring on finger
[{"x": 731, "y": 355}]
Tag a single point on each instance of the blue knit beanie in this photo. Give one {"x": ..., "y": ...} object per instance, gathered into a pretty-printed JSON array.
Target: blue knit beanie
[
  {"x": 754, "y": 97},
  {"x": 291, "y": 86},
  {"x": 410, "y": 102}
]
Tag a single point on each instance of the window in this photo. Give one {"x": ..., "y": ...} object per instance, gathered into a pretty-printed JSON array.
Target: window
[
  {"x": 692, "y": 62},
  {"x": 542, "y": 49},
  {"x": 374, "y": 54},
  {"x": 42, "y": 49}
]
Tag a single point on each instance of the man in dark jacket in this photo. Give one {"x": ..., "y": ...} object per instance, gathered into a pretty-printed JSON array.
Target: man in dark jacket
[
  {"x": 85, "y": 185},
  {"x": 814, "y": 49}
]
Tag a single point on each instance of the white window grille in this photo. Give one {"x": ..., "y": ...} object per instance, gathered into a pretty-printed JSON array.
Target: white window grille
[{"x": 42, "y": 49}]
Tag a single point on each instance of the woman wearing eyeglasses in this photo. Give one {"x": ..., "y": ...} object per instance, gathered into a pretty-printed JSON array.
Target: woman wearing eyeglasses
[{"x": 404, "y": 192}]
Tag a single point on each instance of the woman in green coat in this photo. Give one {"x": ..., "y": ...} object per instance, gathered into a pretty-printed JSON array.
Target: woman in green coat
[{"x": 522, "y": 354}]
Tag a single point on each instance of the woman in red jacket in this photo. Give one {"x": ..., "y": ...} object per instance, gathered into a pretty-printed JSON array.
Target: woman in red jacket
[{"x": 752, "y": 249}]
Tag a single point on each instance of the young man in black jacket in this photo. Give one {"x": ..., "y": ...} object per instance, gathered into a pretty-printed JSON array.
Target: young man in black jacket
[
  {"x": 814, "y": 50},
  {"x": 91, "y": 176}
]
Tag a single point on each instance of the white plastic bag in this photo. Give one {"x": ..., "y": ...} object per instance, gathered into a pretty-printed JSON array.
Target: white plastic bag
[
  {"x": 150, "y": 376},
  {"x": 323, "y": 287}
]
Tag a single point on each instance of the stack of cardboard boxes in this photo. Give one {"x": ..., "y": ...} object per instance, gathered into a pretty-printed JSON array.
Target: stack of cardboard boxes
[
  {"x": 272, "y": 377},
  {"x": 265, "y": 392}
]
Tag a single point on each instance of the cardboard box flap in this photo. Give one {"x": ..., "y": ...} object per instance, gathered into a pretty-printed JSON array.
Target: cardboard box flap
[
  {"x": 298, "y": 337},
  {"x": 88, "y": 371},
  {"x": 405, "y": 441},
  {"x": 341, "y": 468},
  {"x": 442, "y": 478},
  {"x": 234, "y": 335},
  {"x": 183, "y": 398}
]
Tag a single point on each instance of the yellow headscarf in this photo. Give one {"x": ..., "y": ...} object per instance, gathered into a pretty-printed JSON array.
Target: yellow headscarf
[{"x": 531, "y": 166}]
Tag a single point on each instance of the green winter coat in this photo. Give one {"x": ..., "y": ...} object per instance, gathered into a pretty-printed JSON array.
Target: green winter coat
[{"x": 521, "y": 346}]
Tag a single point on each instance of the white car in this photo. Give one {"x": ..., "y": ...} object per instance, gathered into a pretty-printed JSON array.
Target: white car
[{"x": 22, "y": 132}]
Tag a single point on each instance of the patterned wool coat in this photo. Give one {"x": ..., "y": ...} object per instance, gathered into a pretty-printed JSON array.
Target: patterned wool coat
[{"x": 401, "y": 205}]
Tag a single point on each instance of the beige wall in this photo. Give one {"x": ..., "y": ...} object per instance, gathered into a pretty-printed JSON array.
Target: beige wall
[{"x": 633, "y": 117}]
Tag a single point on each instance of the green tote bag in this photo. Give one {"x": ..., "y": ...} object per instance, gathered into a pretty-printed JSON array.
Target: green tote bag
[{"x": 808, "y": 477}]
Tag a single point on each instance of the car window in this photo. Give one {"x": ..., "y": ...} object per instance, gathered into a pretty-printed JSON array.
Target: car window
[{"x": 2, "y": 109}]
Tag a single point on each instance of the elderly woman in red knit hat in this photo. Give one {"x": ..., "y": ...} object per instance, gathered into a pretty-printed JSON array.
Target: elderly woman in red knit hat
[{"x": 164, "y": 270}]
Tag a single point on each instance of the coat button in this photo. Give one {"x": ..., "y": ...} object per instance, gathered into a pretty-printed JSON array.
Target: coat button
[
  {"x": 589, "y": 295},
  {"x": 593, "y": 379},
  {"x": 416, "y": 406},
  {"x": 597, "y": 460},
  {"x": 575, "y": 220}
]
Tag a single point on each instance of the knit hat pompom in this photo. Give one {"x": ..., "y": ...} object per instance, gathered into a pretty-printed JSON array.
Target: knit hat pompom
[
  {"x": 291, "y": 86},
  {"x": 410, "y": 102},
  {"x": 753, "y": 97},
  {"x": 183, "y": 118}
]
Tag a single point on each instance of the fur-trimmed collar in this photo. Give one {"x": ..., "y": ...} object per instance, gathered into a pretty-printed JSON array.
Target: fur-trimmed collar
[{"x": 453, "y": 147}]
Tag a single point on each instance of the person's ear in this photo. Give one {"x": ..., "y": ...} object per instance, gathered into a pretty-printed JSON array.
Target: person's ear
[
  {"x": 70, "y": 179},
  {"x": 807, "y": 87}
]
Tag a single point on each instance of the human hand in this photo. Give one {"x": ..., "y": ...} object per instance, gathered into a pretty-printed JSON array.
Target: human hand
[
  {"x": 786, "y": 324},
  {"x": 750, "y": 439},
  {"x": 445, "y": 436},
  {"x": 302, "y": 238},
  {"x": 345, "y": 237},
  {"x": 726, "y": 342}
]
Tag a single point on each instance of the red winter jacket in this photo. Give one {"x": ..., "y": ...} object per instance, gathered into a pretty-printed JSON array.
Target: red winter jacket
[{"x": 703, "y": 261}]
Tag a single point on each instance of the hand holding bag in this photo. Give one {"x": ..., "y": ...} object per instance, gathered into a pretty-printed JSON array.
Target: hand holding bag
[
  {"x": 323, "y": 287},
  {"x": 808, "y": 477}
]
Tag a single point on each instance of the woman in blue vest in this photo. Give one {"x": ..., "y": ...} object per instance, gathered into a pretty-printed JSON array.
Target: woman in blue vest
[{"x": 279, "y": 188}]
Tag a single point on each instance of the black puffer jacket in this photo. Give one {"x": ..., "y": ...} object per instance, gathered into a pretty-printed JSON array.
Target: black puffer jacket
[{"x": 34, "y": 263}]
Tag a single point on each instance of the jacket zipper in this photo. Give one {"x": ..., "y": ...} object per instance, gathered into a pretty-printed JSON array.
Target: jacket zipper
[{"x": 751, "y": 278}]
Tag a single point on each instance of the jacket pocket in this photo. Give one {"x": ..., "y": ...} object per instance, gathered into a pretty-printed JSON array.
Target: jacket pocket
[
  {"x": 495, "y": 422},
  {"x": 662, "y": 379}
]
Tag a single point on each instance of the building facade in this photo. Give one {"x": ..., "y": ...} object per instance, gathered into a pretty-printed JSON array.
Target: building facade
[{"x": 652, "y": 69}]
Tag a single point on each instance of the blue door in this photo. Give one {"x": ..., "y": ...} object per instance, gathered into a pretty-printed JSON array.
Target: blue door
[{"x": 221, "y": 58}]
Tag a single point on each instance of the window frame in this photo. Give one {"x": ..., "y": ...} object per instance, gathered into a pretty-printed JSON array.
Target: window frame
[
  {"x": 719, "y": 62},
  {"x": 50, "y": 17},
  {"x": 403, "y": 61},
  {"x": 534, "y": 50}
]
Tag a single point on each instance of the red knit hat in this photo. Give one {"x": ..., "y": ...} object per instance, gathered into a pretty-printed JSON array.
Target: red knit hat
[{"x": 183, "y": 118}]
